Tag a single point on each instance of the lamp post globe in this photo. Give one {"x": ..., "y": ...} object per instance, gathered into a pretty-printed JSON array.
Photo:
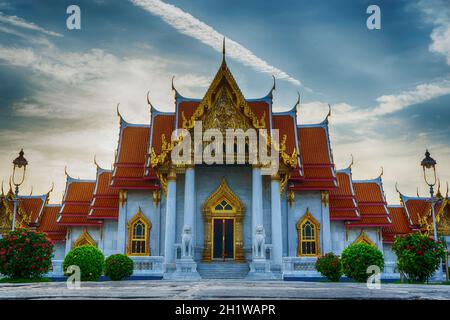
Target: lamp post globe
[{"x": 18, "y": 177}]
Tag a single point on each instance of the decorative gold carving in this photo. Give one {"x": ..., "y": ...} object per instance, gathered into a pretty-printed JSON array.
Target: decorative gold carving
[
  {"x": 123, "y": 197},
  {"x": 223, "y": 192},
  {"x": 283, "y": 183},
  {"x": 289, "y": 160},
  {"x": 139, "y": 217},
  {"x": 290, "y": 197},
  {"x": 325, "y": 198},
  {"x": 364, "y": 238},
  {"x": 84, "y": 239},
  {"x": 224, "y": 79},
  {"x": 314, "y": 238},
  {"x": 156, "y": 197},
  {"x": 163, "y": 181},
  {"x": 224, "y": 114}
]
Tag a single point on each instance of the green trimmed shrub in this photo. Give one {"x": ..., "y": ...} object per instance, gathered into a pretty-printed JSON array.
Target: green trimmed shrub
[
  {"x": 89, "y": 259},
  {"x": 418, "y": 256},
  {"x": 118, "y": 266},
  {"x": 357, "y": 257},
  {"x": 25, "y": 254},
  {"x": 329, "y": 265}
]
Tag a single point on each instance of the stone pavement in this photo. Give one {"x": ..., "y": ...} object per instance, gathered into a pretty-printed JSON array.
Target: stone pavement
[{"x": 221, "y": 289}]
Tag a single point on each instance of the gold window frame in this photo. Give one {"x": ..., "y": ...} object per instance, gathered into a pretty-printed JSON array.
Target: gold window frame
[
  {"x": 308, "y": 217},
  {"x": 139, "y": 217}
]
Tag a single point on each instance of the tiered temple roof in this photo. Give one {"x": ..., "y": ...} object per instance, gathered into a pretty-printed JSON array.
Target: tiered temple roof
[{"x": 143, "y": 154}]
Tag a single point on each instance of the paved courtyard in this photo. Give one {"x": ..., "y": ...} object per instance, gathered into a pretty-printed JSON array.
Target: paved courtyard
[{"x": 221, "y": 289}]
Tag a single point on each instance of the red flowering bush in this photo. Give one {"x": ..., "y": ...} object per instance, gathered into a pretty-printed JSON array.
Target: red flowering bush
[
  {"x": 357, "y": 257},
  {"x": 25, "y": 254},
  {"x": 418, "y": 256},
  {"x": 330, "y": 266}
]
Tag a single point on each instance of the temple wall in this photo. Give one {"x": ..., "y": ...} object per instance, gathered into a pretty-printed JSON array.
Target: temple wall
[
  {"x": 338, "y": 237},
  {"x": 59, "y": 250},
  {"x": 144, "y": 199},
  {"x": 239, "y": 179},
  {"x": 303, "y": 201},
  {"x": 76, "y": 232},
  {"x": 109, "y": 238}
]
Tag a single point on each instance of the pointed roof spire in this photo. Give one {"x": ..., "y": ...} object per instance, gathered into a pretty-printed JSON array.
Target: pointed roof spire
[
  {"x": 417, "y": 192},
  {"x": 148, "y": 100},
  {"x": 31, "y": 191}
]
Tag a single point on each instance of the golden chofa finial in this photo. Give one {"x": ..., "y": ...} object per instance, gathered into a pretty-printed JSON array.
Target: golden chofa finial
[
  {"x": 118, "y": 111},
  {"x": 31, "y": 191},
  {"x": 351, "y": 162},
  {"x": 148, "y": 100},
  {"x": 381, "y": 173},
  {"x": 51, "y": 189},
  {"x": 65, "y": 172},
  {"x": 95, "y": 161},
  {"x": 417, "y": 192},
  {"x": 328, "y": 114}
]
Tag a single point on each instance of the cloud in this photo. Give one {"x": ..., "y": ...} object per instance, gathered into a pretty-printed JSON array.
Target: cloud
[
  {"x": 21, "y": 23},
  {"x": 188, "y": 25},
  {"x": 437, "y": 13},
  {"x": 70, "y": 114},
  {"x": 344, "y": 113}
]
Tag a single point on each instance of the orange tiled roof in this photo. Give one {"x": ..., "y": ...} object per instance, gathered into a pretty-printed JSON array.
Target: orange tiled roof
[
  {"x": 342, "y": 200},
  {"x": 131, "y": 157},
  {"x": 317, "y": 162},
  {"x": 33, "y": 206},
  {"x": 371, "y": 204},
  {"x": 105, "y": 202},
  {"x": 400, "y": 224},
  {"x": 76, "y": 203},
  {"x": 416, "y": 208},
  {"x": 48, "y": 225}
]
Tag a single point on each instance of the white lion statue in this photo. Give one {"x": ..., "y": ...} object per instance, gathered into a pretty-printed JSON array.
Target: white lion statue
[
  {"x": 186, "y": 241},
  {"x": 259, "y": 244}
]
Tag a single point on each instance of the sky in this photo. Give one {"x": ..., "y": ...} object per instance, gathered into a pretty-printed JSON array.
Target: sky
[{"x": 389, "y": 89}]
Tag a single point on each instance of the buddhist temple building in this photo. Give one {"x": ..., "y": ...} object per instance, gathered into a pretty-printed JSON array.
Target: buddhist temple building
[{"x": 200, "y": 220}]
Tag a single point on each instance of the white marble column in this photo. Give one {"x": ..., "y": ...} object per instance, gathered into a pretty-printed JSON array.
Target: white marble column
[
  {"x": 122, "y": 228},
  {"x": 277, "y": 237},
  {"x": 326, "y": 229},
  {"x": 169, "y": 236},
  {"x": 257, "y": 201},
  {"x": 189, "y": 200}
]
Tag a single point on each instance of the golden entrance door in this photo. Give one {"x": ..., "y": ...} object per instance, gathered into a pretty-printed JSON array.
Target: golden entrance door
[
  {"x": 223, "y": 239},
  {"x": 223, "y": 215}
]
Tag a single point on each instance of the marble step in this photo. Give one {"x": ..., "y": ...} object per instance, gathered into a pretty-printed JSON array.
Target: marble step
[{"x": 224, "y": 270}]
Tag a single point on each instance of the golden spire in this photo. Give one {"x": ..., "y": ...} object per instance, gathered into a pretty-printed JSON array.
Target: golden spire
[{"x": 417, "y": 192}]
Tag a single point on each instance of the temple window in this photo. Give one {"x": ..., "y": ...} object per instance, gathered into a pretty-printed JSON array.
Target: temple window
[
  {"x": 308, "y": 230},
  {"x": 223, "y": 206},
  {"x": 139, "y": 235}
]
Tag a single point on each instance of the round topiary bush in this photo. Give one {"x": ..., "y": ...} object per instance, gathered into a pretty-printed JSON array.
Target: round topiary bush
[
  {"x": 118, "y": 266},
  {"x": 418, "y": 256},
  {"x": 89, "y": 259},
  {"x": 329, "y": 265},
  {"x": 25, "y": 254},
  {"x": 356, "y": 258}
]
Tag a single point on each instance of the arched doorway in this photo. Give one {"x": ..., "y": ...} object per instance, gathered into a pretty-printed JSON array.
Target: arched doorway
[{"x": 223, "y": 214}]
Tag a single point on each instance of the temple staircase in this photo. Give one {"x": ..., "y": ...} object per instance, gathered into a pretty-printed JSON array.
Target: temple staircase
[{"x": 223, "y": 270}]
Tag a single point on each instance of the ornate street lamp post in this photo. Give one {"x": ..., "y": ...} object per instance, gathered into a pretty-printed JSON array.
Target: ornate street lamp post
[
  {"x": 20, "y": 166},
  {"x": 429, "y": 173}
]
